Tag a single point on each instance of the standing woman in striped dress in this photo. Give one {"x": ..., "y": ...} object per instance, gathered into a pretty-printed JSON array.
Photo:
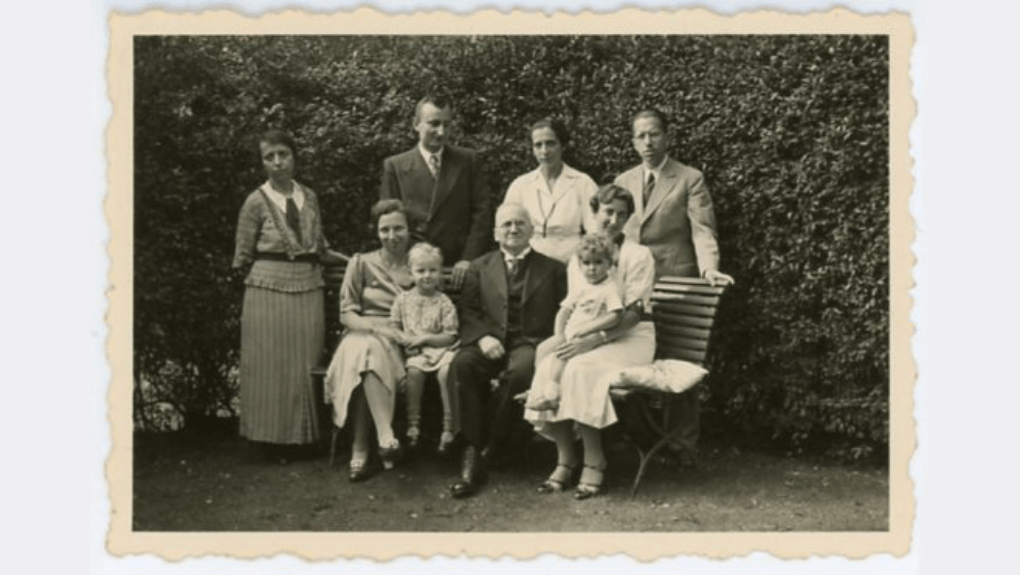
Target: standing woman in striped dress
[{"x": 280, "y": 244}]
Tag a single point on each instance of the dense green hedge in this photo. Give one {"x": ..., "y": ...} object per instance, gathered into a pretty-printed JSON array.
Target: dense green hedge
[{"x": 791, "y": 132}]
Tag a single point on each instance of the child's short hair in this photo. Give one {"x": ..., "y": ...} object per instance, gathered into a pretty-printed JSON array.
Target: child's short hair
[
  {"x": 597, "y": 245},
  {"x": 424, "y": 252}
]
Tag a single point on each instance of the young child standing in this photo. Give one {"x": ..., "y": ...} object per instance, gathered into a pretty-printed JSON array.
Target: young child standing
[
  {"x": 428, "y": 320},
  {"x": 592, "y": 307}
]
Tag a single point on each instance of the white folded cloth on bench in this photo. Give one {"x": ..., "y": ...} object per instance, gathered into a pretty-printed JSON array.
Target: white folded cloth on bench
[{"x": 668, "y": 375}]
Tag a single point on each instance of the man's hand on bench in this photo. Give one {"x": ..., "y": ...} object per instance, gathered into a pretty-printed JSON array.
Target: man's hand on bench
[
  {"x": 717, "y": 278},
  {"x": 458, "y": 274}
]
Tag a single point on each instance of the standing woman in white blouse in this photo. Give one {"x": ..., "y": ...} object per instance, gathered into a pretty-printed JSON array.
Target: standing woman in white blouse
[{"x": 555, "y": 195}]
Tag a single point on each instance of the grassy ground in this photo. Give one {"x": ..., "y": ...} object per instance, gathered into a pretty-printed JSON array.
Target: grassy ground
[{"x": 223, "y": 484}]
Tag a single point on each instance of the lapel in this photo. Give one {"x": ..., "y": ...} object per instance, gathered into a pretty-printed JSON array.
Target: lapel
[
  {"x": 631, "y": 181},
  {"x": 663, "y": 186},
  {"x": 534, "y": 277},
  {"x": 493, "y": 273},
  {"x": 420, "y": 177},
  {"x": 563, "y": 185},
  {"x": 449, "y": 166}
]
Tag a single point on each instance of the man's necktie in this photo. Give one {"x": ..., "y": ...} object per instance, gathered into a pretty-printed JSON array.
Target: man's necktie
[
  {"x": 513, "y": 265},
  {"x": 647, "y": 191},
  {"x": 293, "y": 219},
  {"x": 434, "y": 165}
]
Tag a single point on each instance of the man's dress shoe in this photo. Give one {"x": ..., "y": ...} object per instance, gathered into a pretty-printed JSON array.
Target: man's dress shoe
[{"x": 472, "y": 473}]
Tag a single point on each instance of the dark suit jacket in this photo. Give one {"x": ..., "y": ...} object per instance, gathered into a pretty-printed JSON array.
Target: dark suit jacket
[
  {"x": 483, "y": 299},
  {"x": 453, "y": 209},
  {"x": 678, "y": 224}
]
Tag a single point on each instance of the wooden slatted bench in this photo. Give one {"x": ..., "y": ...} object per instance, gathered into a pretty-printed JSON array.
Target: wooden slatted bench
[
  {"x": 333, "y": 276},
  {"x": 683, "y": 310}
]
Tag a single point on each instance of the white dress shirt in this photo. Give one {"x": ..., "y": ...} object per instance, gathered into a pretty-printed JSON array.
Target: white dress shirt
[
  {"x": 507, "y": 256},
  {"x": 639, "y": 201},
  {"x": 427, "y": 156}
]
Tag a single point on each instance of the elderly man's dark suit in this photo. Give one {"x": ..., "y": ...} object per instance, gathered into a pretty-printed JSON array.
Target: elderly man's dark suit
[
  {"x": 485, "y": 309},
  {"x": 452, "y": 209}
]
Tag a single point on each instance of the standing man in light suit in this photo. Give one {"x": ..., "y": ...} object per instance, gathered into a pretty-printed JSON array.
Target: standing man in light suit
[
  {"x": 673, "y": 216},
  {"x": 443, "y": 186}
]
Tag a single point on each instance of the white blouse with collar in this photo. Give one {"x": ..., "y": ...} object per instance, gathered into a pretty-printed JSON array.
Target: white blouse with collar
[{"x": 560, "y": 215}]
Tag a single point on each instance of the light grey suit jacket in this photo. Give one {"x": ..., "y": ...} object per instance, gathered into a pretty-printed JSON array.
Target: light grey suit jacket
[{"x": 678, "y": 224}]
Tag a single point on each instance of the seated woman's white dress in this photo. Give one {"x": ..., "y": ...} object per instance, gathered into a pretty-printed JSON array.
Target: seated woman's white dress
[
  {"x": 584, "y": 385},
  {"x": 369, "y": 289}
]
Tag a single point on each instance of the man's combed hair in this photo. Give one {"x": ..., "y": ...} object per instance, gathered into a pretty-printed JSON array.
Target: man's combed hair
[
  {"x": 438, "y": 100},
  {"x": 654, "y": 113}
]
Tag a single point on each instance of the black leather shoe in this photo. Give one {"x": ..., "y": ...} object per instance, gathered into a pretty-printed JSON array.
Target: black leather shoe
[
  {"x": 472, "y": 473},
  {"x": 360, "y": 471}
]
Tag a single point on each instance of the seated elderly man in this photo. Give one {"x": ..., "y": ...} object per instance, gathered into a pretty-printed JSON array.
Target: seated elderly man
[{"x": 507, "y": 307}]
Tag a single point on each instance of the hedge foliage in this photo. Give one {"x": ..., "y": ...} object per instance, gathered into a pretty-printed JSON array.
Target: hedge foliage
[{"x": 790, "y": 131}]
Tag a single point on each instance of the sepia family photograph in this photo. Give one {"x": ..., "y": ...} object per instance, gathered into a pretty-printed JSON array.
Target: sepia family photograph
[{"x": 516, "y": 275}]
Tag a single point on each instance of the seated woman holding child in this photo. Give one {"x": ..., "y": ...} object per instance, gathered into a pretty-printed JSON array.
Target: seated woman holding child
[{"x": 590, "y": 360}]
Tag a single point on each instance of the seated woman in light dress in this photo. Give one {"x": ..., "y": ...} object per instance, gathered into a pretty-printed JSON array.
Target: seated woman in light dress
[
  {"x": 585, "y": 406},
  {"x": 361, "y": 381}
]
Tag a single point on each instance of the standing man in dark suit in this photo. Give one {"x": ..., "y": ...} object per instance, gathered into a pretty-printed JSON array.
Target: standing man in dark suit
[
  {"x": 443, "y": 186},
  {"x": 507, "y": 307},
  {"x": 673, "y": 216}
]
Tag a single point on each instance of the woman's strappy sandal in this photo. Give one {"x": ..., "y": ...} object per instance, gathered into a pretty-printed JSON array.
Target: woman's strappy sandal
[
  {"x": 560, "y": 479},
  {"x": 590, "y": 486},
  {"x": 391, "y": 454},
  {"x": 359, "y": 471}
]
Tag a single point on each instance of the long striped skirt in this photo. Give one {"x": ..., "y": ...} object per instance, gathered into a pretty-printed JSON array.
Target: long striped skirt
[{"x": 281, "y": 341}]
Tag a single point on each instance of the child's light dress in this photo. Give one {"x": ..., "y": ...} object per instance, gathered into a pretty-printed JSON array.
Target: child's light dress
[
  {"x": 589, "y": 301},
  {"x": 417, "y": 314}
]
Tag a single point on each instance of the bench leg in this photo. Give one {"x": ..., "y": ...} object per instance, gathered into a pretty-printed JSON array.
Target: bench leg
[
  {"x": 647, "y": 457},
  {"x": 661, "y": 428},
  {"x": 332, "y": 445}
]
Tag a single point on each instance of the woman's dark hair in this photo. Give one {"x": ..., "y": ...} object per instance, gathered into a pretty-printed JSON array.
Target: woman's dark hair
[
  {"x": 277, "y": 137},
  {"x": 383, "y": 207},
  {"x": 558, "y": 128},
  {"x": 609, "y": 193},
  {"x": 391, "y": 206}
]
